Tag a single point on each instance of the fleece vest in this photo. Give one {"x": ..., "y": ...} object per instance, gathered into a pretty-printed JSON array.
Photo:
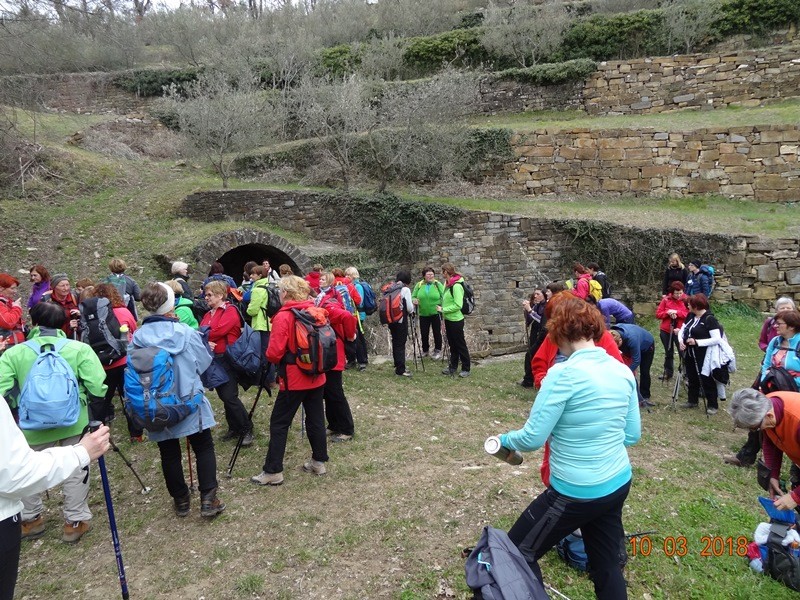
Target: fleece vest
[{"x": 784, "y": 434}]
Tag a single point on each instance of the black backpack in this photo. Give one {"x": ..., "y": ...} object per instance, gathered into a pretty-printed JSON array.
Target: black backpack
[
  {"x": 468, "y": 304},
  {"x": 100, "y": 329},
  {"x": 273, "y": 304}
]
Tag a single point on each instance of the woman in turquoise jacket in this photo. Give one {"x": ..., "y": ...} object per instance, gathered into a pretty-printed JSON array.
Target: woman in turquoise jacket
[
  {"x": 589, "y": 409},
  {"x": 427, "y": 296},
  {"x": 782, "y": 350},
  {"x": 452, "y": 300}
]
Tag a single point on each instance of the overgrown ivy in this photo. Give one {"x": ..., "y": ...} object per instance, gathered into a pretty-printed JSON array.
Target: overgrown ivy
[
  {"x": 629, "y": 254},
  {"x": 151, "y": 82},
  {"x": 550, "y": 73},
  {"x": 389, "y": 226}
]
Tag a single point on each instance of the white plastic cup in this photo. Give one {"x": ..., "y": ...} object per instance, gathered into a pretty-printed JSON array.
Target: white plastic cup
[{"x": 493, "y": 446}]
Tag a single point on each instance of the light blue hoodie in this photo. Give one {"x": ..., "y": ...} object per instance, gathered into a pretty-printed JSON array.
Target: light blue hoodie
[
  {"x": 191, "y": 358},
  {"x": 589, "y": 409}
]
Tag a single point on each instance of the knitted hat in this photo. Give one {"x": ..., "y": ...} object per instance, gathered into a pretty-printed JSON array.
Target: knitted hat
[
  {"x": 696, "y": 263},
  {"x": 169, "y": 305},
  {"x": 58, "y": 278}
]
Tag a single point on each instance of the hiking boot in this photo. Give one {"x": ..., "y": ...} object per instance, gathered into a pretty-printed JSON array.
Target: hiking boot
[
  {"x": 362, "y": 367},
  {"x": 230, "y": 435},
  {"x": 33, "y": 528},
  {"x": 525, "y": 384},
  {"x": 183, "y": 505},
  {"x": 464, "y": 374},
  {"x": 315, "y": 467},
  {"x": 732, "y": 459},
  {"x": 350, "y": 364},
  {"x": 405, "y": 374},
  {"x": 646, "y": 403},
  {"x": 341, "y": 437},
  {"x": 448, "y": 372},
  {"x": 75, "y": 530},
  {"x": 436, "y": 355},
  {"x": 265, "y": 478},
  {"x": 247, "y": 440},
  {"x": 424, "y": 354},
  {"x": 210, "y": 505},
  {"x": 688, "y": 405},
  {"x": 711, "y": 411}
]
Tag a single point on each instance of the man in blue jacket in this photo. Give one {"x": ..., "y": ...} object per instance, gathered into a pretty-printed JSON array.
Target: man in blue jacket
[
  {"x": 637, "y": 347},
  {"x": 699, "y": 282}
]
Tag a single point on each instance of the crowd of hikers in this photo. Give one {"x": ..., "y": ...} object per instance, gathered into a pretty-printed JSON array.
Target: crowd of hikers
[{"x": 277, "y": 331}]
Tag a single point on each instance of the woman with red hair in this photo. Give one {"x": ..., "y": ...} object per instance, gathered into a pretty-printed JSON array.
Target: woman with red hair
[
  {"x": 40, "y": 278},
  {"x": 11, "y": 322},
  {"x": 589, "y": 426}
]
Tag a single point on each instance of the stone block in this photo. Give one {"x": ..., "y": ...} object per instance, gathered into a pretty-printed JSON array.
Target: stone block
[
  {"x": 615, "y": 185},
  {"x": 793, "y": 277},
  {"x": 640, "y": 185},
  {"x": 683, "y": 98},
  {"x": 788, "y": 149},
  {"x": 740, "y": 178},
  {"x": 736, "y": 190},
  {"x": 771, "y": 182},
  {"x": 728, "y": 160},
  {"x": 638, "y": 153},
  {"x": 767, "y": 272},
  {"x": 764, "y": 150},
  {"x": 763, "y": 292},
  {"x": 657, "y": 171},
  {"x": 586, "y": 154},
  {"x": 540, "y": 151},
  {"x": 703, "y": 186},
  {"x": 678, "y": 182},
  {"x": 772, "y": 136},
  {"x": 612, "y": 154},
  {"x": 726, "y": 148}
]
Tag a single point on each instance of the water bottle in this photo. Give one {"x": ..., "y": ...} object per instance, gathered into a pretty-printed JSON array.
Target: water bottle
[
  {"x": 493, "y": 446},
  {"x": 123, "y": 337}
]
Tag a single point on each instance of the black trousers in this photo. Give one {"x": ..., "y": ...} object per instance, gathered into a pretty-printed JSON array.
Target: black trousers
[
  {"x": 644, "y": 372},
  {"x": 552, "y": 516},
  {"x": 235, "y": 412},
  {"x": 669, "y": 352},
  {"x": 427, "y": 324},
  {"x": 693, "y": 363},
  {"x": 399, "y": 333},
  {"x": 362, "y": 355},
  {"x": 172, "y": 464},
  {"x": 749, "y": 452},
  {"x": 458, "y": 344},
  {"x": 337, "y": 409},
  {"x": 10, "y": 534},
  {"x": 286, "y": 407}
]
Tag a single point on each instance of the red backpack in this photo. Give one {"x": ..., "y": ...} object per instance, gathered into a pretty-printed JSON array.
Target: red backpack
[
  {"x": 315, "y": 341},
  {"x": 391, "y": 308}
]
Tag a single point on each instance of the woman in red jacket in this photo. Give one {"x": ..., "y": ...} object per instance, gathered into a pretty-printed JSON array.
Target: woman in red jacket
[
  {"x": 296, "y": 388},
  {"x": 224, "y": 323},
  {"x": 672, "y": 311},
  {"x": 11, "y": 321},
  {"x": 337, "y": 409}
]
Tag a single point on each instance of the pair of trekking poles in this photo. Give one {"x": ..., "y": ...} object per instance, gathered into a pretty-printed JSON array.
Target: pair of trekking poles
[{"x": 416, "y": 343}]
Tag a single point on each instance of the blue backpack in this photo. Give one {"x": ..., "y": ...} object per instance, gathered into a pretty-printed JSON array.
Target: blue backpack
[
  {"x": 245, "y": 354},
  {"x": 369, "y": 304},
  {"x": 151, "y": 400},
  {"x": 347, "y": 299},
  {"x": 49, "y": 397}
]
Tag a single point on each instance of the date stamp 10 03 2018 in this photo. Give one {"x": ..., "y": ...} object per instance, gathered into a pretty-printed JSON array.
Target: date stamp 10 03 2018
[{"x": 709, "y": 546}]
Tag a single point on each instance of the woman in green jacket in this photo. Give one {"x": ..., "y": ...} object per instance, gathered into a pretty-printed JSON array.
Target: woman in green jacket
[
  {"x": 257, "y": 309},
  {"x": 427, "y": 296},
  {"x": 450, "y": 308},
  {"x": 183, "y": 306}
]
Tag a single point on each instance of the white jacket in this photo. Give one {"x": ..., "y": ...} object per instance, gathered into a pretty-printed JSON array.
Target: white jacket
[{"x": 24, "y": 472}]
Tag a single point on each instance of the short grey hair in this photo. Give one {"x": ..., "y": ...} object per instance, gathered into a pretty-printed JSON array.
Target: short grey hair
[
  {"x": 179, "y": 266},
  {"x": 784, "y": 300},
  {"x": 748, "y": 408}
]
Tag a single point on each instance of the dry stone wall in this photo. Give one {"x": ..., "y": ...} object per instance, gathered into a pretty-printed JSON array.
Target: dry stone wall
[
  {"x": 759, "y": 163},
  {"x": 506, "y": 256}
]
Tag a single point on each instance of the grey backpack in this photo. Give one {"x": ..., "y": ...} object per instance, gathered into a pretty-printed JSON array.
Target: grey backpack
[{"x": 496, "y": 570}]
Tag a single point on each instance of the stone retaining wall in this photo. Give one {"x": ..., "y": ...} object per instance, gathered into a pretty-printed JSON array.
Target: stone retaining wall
[
  {"x": 506, "y": 256},
  {"x": 759, "y": 163}
]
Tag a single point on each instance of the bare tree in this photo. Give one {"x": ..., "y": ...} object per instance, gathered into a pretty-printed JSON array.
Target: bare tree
[
  {"x": 223, "y": 115},
  {"x": 525, "y": 33},
  {"x": 690, "y": 21}
]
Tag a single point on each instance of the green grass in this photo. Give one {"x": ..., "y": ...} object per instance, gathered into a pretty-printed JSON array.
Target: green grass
[{"x": 786, "y": 112}]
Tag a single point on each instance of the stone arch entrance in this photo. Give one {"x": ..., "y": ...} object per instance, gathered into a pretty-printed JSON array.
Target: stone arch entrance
[{"x": 234, "y": 248}]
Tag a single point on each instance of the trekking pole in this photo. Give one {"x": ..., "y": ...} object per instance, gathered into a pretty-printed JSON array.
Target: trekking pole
[
  {"x": 445, "y": 341},
  {"x": 678, "y": 381},
  {"x": 669, "y": 351},
  {"x": 112, "y": 522},
  {"x": 553, "y": 590},
  {"x": 191, "y": 472},
  {"x": 115, "y": 448},
  {"x": 413, "y": 342},
  {"x": 302, "y": 421},
  {"x": 418, "y": 342},
  {"x": 237, "y": 449},
  {"x": 700, "y": 380}
]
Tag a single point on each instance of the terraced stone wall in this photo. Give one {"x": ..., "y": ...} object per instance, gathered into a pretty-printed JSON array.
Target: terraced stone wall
[
  {"x": 759, "y": 163},
  {"x": 693, "y": 81},
  {"x": 506, "y": 256}
]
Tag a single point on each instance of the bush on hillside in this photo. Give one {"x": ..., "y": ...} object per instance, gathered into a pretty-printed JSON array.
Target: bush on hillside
[
  {"x": 151, "y": 82},
  {"x": 458, "y": 48},
  {"x": 605, "y": 37},
  {"x": 756, "y": 16},
  {"x": 550, "y": 73}
]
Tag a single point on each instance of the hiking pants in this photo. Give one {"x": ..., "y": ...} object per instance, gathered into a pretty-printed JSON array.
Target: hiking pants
[
  {"x": 75, "y": 489},
  {"x": 235, "y": 413},
  {"x": 362, "y": 356},
  {"x": 172, "y": 463},
  {"x": 337, "y": 409},
  {"x": 286, "y": 405},
  {"x": 644, "y": 372},
  {"x": 693, "y": 362},
  {"x": 431, "y": 323},
  {"x": 552, "y": 516},
  {"x": 669, "y": 352},
  {"x": 10, "y": 544},
  {"x": 399, "y": 333},
  {"x": 457, "y": 343}
]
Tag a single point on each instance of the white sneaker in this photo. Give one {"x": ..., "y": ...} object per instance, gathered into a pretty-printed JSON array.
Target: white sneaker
[{"x": 315, "y": 467}]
